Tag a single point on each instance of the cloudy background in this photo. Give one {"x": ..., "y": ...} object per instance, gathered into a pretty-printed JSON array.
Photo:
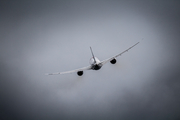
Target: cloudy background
[{"x": 38, "y": 37}]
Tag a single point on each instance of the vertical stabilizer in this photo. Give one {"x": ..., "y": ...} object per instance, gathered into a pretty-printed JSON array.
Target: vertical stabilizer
[{"x": 93, "y": 55}]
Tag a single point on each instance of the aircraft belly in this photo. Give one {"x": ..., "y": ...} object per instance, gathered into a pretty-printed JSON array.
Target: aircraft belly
[{"x": 96, "y": 67}]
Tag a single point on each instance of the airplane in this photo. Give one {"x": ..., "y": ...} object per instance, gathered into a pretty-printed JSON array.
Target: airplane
[{"x": 95, "y": 63}]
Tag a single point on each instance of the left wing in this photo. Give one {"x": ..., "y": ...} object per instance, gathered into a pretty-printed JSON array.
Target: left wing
[
  {"x": 72, "y": 71},
  {"x": 111, "y": 58}
]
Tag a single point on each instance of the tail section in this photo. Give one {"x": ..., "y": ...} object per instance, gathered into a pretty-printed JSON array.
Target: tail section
[{"x": 93, "y": 55}]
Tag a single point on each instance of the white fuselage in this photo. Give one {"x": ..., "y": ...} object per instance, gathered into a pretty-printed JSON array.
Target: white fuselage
[
  {"x": 92, "y": 62},
  {"x": 96, "y": 65}
]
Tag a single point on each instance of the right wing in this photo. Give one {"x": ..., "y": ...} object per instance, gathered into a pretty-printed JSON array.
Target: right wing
[
  {"x": 72, "y": 71},
  {"x": 111, "y": 58}
]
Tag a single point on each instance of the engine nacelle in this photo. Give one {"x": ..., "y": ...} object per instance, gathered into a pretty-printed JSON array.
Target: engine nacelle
[
  {"x": 80, "y": 73},
  {"x": 113, "y": 61}
]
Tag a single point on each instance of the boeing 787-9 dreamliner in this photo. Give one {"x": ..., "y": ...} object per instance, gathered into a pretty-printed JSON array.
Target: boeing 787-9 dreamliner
[{"x": 95, "y": 63}]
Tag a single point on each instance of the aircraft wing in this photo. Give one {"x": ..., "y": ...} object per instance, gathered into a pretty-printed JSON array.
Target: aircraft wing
[
  {"x": 72, "y": 71},
  {"x": 111, "y": 58}
]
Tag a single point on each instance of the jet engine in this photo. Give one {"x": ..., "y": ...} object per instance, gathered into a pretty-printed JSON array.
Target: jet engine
[
  {"x": 113, "y": 61},
  {"x": 80, "y": 73}
]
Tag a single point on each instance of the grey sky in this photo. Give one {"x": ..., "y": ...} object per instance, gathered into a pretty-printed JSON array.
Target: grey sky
[{"x": 39, "y": 37}]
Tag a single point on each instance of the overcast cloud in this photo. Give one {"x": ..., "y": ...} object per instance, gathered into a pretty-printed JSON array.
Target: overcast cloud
[{"x": 45, "y": 36}]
